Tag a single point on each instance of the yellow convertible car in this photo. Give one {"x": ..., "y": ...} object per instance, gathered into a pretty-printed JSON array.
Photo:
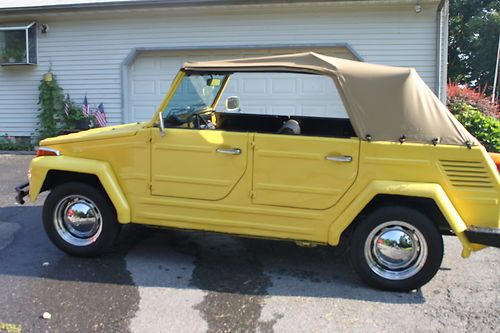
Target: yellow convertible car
[{"x": 300, "y": 147}]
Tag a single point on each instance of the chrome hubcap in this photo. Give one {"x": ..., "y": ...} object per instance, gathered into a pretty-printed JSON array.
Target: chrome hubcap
[
  {"x": 395, "y": 250},
  {"x": 78, "y": 220}
]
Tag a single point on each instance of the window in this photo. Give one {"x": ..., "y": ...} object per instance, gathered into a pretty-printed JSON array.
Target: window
[
  {"x": 18, "y": 44},
  {"x": 264, "y": 102}
]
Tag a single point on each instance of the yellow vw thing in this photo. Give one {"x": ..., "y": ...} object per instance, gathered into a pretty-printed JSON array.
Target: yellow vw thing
[{"x": 302, "y": 147}]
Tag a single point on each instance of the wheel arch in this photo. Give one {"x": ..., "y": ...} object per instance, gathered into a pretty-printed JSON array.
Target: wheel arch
[
  {"x": 48, "y": 172},
  {"x": 426, "y": 206},
  {"x": 422, "y": 195}
]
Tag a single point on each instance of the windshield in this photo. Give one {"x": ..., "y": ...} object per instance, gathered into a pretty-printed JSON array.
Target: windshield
[{"x": 195, "y": 94}]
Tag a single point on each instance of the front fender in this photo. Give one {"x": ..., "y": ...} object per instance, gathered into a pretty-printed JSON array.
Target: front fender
[
  {"x": 423, "y": 190},
  {"x": 40, "y": 166}
]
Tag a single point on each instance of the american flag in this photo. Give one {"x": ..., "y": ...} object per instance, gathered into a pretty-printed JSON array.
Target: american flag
[
  {"x": 66, "y": 105},
  {"x": 100, "y": 116},
  {"x": 85, "y": 107}
]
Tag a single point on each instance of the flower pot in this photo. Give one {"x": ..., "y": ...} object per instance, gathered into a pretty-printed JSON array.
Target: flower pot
[
  {"x": 47, "y": 77},
  {"x": 82, "y": 124}
]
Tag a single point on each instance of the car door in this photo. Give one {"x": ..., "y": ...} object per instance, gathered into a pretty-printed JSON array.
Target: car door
[
  {"x": 302, "y": 171},
  {"x": 197, "y": 163}
]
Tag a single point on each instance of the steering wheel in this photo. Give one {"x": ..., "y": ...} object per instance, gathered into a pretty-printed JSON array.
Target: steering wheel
[{"x": 198, "y": 120}]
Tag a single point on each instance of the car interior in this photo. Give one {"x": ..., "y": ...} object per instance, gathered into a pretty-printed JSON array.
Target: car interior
[
  {"x": 271, "y": 124},
  {"x": 285, "y": 125}
]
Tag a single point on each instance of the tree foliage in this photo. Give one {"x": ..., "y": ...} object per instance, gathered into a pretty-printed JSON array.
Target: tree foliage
[{"x": 474, "y": 29}]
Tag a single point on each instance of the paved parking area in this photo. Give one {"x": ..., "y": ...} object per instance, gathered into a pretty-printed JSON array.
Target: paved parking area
[{"x": 172, "y": 281}]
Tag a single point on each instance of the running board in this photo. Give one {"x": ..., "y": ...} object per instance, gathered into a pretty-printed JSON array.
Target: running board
[{"x": 484, "y": 236}]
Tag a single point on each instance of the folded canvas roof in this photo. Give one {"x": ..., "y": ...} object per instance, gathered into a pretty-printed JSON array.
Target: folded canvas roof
[{"x": 384, "y": 103}]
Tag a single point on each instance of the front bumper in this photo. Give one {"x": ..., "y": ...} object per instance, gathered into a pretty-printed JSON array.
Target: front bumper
[
  {"x": 484, "y": 236},
  {"x": 21, "y": 192}
]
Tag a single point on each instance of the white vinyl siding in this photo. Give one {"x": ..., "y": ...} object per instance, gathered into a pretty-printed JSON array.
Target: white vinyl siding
[{"x": 86, "y": 50}]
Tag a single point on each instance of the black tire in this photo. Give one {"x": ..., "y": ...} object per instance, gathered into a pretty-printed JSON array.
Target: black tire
[
  {"x": 63, "y": 199},
  {"x": 372, "y": 252}
]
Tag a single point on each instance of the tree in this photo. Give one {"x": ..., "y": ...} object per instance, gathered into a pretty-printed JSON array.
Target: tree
[{"x": 474, "y": 29}]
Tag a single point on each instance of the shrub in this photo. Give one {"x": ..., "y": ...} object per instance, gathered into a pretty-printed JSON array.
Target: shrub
[
  {"x": 459, "y": 94},
  {"x": 12, "y": 143},
  {"x": 486, "y": 129}
]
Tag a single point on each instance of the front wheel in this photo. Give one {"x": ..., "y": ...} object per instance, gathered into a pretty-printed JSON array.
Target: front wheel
[
  {"x": 396, "y": 248},
  {"x": 80, "y": 220}
]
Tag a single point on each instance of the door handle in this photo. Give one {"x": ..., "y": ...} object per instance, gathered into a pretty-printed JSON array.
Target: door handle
[
  {"x": 235, "y": 151},
  {"x": 339, "y": 158}
]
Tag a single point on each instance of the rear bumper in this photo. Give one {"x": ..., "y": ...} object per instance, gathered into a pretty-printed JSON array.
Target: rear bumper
[
  {"x": 21, "y": 192},
  {"x": 484, "y": 236}
]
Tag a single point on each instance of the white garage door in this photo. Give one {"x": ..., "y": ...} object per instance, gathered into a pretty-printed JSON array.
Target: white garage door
[{"x": 152, "y": 73}]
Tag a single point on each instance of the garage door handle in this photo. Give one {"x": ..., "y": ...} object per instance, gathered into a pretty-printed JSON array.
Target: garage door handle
[
  {"x": 235, "y": 151},
  {"x": 338, "y": 158}
]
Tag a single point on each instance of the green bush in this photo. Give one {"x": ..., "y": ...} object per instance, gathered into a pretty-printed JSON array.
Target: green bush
[
  {"x": 485, "y": 129},
  {"x": 9, "y": 143}
]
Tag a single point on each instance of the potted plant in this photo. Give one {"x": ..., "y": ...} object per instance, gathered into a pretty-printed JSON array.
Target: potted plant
[
  {"x": 73, "y": 117},
  {"x": 14, "y": 55},
  {"x": 80, "y": 121}
]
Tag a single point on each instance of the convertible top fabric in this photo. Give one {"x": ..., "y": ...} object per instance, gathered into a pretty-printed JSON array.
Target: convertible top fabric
[{"x": 383, "y": 103}]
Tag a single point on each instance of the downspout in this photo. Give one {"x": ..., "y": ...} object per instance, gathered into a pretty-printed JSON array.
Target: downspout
[{"x": 442, "y": 49}]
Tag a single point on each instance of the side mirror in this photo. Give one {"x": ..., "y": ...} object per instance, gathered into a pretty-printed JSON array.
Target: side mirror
[{"x": 233, "y": 104}]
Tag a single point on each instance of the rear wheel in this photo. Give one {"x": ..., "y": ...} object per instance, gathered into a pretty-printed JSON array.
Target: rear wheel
[
  {"x": 396, "y": 248},
  {"x": 80, "y": 220}
]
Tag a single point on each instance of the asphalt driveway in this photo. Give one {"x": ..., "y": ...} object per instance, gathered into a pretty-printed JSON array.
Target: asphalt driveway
[{"x": 171, "y": 281}]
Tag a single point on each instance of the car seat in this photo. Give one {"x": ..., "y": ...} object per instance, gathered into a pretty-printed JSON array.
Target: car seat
[{"x": 290, "y": 127}]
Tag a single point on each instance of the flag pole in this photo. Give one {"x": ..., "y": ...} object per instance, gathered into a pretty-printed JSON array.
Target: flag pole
[{"x": 496, "y": 73}]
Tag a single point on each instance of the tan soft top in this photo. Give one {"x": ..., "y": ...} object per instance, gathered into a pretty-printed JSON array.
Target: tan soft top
[{"x": 383, "y": 103}]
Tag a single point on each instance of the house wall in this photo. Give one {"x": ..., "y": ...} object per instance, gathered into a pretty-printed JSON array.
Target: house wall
[{"x": 86, "y": 50}]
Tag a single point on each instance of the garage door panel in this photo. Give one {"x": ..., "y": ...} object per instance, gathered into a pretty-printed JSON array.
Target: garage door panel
[
  {"x": 168, "y": 64},
  {"x": 283, "y": 86},
  {"x": 143, "y": 112},
  {"x": 317, "y": 110},
  {"x": 311, "y": 85},
  {"x": 252, "y": 85},
  {"x": 255, "y": 109},
  {"x": 143, "y": 87}
]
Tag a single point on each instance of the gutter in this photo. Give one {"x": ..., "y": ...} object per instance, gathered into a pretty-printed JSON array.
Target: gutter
[{"x": 145, "y": 4}]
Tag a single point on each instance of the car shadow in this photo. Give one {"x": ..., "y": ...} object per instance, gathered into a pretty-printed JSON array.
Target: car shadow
[{"x": 198, "y": 260}]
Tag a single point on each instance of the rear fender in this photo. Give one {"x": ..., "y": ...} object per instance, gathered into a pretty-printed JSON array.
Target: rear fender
[
  {"x": 423, "y": 190},
  {"x": 40, "y": 166}
]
